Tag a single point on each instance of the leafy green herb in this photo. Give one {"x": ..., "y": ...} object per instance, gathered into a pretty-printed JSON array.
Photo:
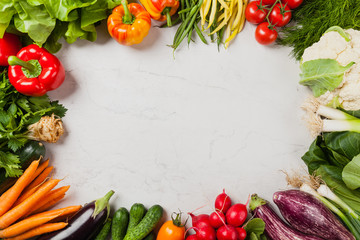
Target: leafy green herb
[
  {"x": 313, "y": 17},
  {"x": 17, "y": 112},
  {"x": 322, "y": 75}
]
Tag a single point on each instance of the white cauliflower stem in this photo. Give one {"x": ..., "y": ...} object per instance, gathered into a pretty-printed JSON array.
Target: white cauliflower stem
[{"x": 334, "y": 46}]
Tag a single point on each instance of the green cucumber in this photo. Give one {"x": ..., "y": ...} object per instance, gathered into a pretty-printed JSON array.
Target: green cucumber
[
  {"x": 31, "y": 151},
  {"x": 119, "y": 224},
  {"x": 147, "y": 224},
  {"x": 137, "y": 212},
  {"x": 104, "y": 231},
  {"x": 151, "y": 236}
]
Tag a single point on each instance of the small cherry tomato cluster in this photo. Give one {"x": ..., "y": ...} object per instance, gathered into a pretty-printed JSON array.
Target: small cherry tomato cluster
[
  {"x": 225, "y": 223},
  {"x": 269, "y": 15}
]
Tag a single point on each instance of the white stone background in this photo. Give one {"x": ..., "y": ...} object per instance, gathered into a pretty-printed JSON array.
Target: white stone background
[{"x": 176, "y": 131}]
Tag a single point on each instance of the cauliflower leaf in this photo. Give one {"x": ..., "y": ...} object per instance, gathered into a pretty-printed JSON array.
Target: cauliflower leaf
[{"x": 322, "y": 75}]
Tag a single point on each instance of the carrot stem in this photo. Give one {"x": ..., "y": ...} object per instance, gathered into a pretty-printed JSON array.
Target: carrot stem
[{"x": 11, "y": 195}]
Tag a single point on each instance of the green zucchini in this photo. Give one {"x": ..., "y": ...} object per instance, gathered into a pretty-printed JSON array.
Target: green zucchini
[
  {"x": 104, "y": 230},
  {"x": 147, "y": 224},
  {"x": 137, "y": 212},
  {"x": 151, "y": 236},
  {"x": 119, "y": 224},
  {"x": 31, "y": 151}
]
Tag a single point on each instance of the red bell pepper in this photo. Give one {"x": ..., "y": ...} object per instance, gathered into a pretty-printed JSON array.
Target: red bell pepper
[
  {"x": 34, "y": 71},
  {"x": 9, "y": 45}
]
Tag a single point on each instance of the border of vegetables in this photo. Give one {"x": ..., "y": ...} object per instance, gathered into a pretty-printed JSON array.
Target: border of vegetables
[{"x": 334, "y": 163}]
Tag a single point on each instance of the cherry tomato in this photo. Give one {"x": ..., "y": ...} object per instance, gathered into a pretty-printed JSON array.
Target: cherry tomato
[
  {"x": 172, "y": 229},
  {"x": 265, "y": 34},
  {"x": 292, "y": 3},
  {"x": 10, "y": 45},
  {"x": 268, "y": 2},
  {"x": 280, "y": 15},
  {"x": 255, "y": 12}
]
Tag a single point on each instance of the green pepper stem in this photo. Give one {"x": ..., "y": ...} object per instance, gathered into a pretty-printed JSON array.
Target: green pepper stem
[
  {"x": 12, "y": 60},
  {"x": 128, "y": 18},
  {"x": 166, "y": 12}
]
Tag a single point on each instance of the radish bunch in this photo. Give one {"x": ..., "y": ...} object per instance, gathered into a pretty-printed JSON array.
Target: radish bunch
[{"x": 225, "y": 223}]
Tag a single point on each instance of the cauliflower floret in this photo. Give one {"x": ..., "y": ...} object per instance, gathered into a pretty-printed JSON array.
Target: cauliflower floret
[
  {"x": 334, "y": 46},
  {"x": 330, "y": 45}
]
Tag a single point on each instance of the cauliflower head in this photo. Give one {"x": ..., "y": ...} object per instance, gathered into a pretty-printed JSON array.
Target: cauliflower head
[{"x": 333, "y": 45}]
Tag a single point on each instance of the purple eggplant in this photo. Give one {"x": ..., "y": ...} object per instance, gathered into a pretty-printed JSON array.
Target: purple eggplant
[
  {"x": 86, "y": 223},
  {"x": 275, "y": 228},
  {"x": 309, "y": 215}
]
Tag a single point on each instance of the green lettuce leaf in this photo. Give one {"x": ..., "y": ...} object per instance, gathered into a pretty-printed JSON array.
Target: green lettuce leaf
[
  {"x": 52, "y": 43},
  {"x": 75, "y": 31},
  {"x": 33, "y": 20},
  {"x": 351, "y": 173},
  {"x": 322, "y": 75},
  {"x": 7, "y": 11},
  {"x": 96, "y": 12},
  {"x": 63, "y": 10}
]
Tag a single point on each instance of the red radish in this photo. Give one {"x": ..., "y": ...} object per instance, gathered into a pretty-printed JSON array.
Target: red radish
[
  {"x": 205, "y": 233},
  {"x": 227, "y": 232},
  {"x": 236, "y": 215},
  {"x": 242, "y": 233},
  {"x": 217, "y": 219},
  {"x": 200, "y": 221},
  {"x": 192, "y": 237},
  {"x": 222, "y": 202}
]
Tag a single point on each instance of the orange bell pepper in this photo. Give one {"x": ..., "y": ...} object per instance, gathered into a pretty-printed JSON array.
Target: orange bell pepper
[
  {"x": 161, "y": 10},
  {"x": 129, "y": 23}
]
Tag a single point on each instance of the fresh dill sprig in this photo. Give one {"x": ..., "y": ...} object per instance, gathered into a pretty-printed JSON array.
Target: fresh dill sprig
[{"x": 313, "y": 17}]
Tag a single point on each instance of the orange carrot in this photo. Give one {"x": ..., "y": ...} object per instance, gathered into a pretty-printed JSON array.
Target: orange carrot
[
  {"x": 47, "y": 205},
  {"x": 40, "y": 179},
  {"x": 20, "y": 210},
  {"x": 40, "y": 169},
  {"x": 51, "y": 196},
  {"x": 27, "y": 224},
  {"x": 25, "y": 195},
  {"x": 45, "y": 228},
  {"x": 61, "y": 211},
  {"x": 11, "y": 195}
]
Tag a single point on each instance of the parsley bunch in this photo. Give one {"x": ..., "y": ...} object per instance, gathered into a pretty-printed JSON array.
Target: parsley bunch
[{"x": 17, "y": 112}]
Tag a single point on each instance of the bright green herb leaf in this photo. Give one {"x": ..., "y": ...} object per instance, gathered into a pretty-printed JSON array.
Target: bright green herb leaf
[
  {"x": 351, "y": 173},
  {"x": 322, "y": 75},
  {"x": 10, "y": 162}
]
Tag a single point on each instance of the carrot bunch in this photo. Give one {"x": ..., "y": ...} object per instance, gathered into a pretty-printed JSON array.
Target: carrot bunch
[{"x": 23, "y": 207}]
